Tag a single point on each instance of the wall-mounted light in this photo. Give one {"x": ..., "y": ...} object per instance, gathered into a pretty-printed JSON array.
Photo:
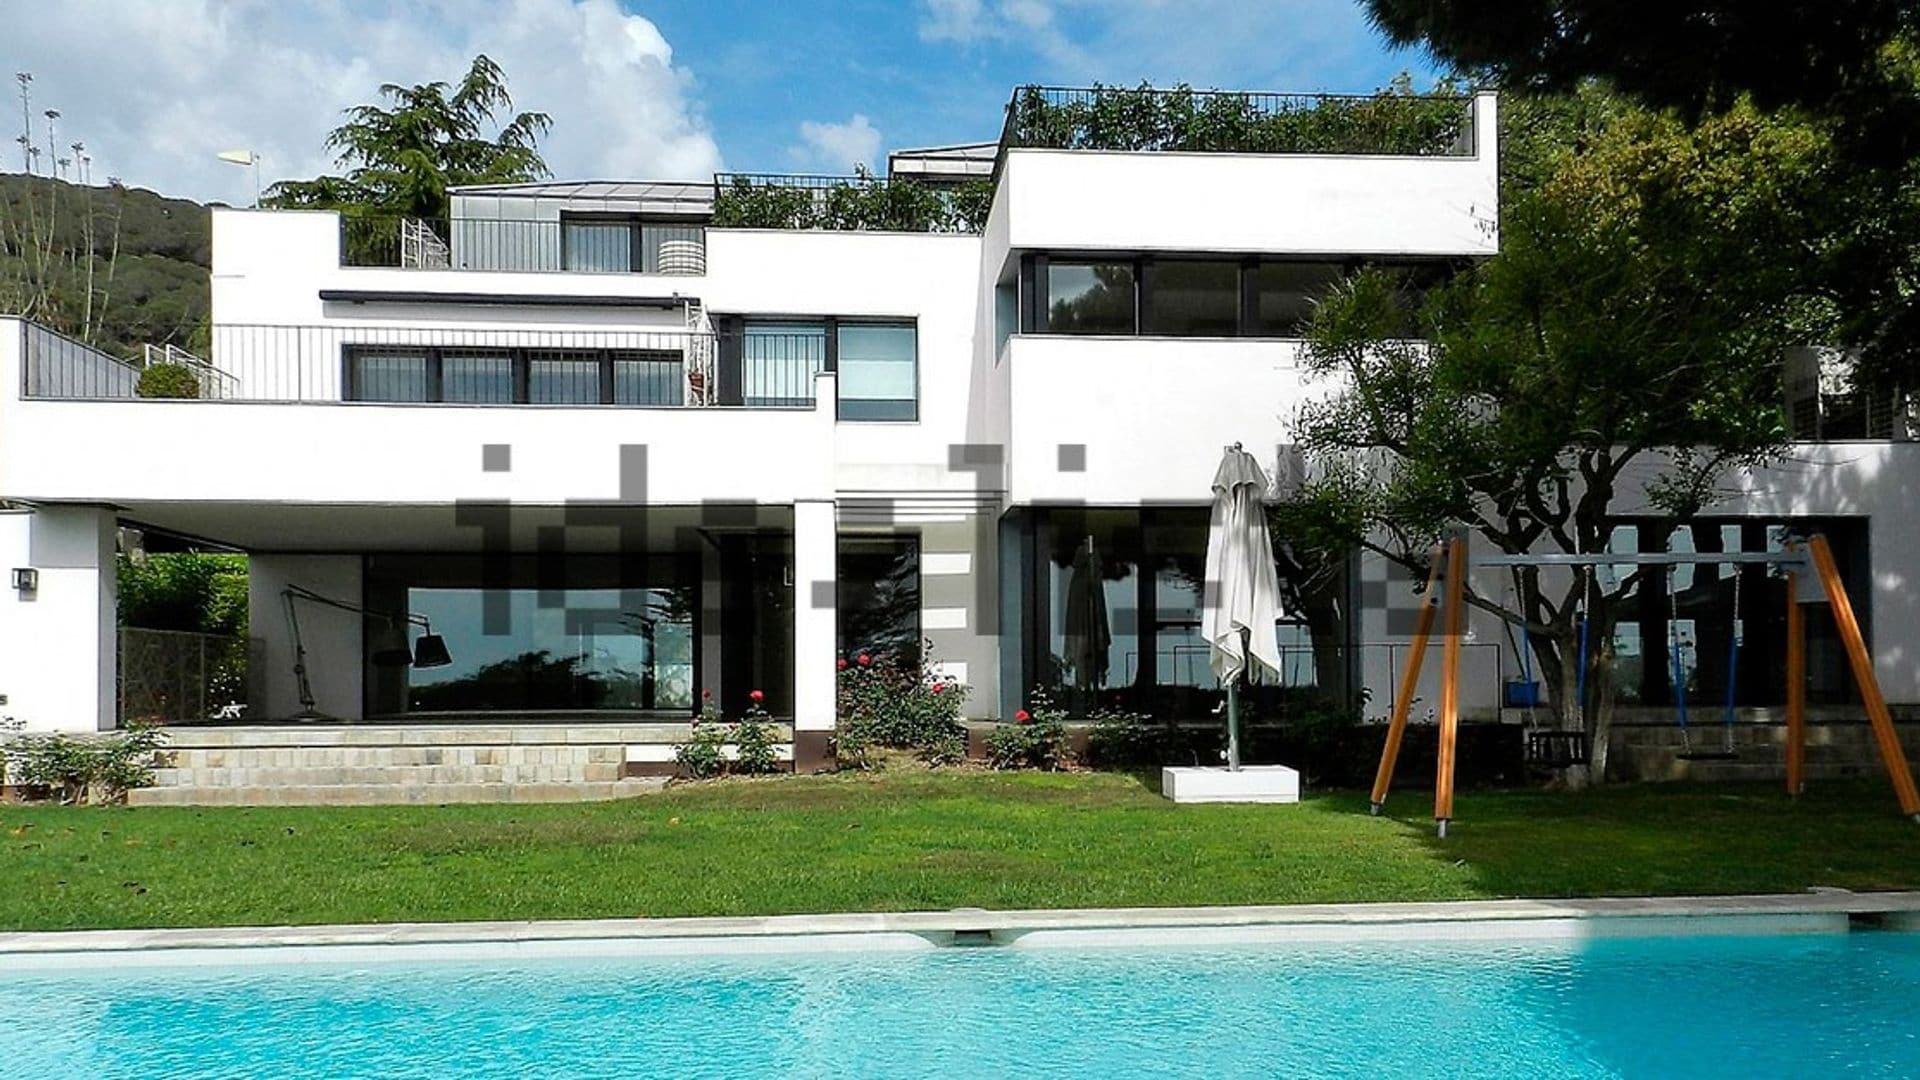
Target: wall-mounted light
[{"x": 26, "y": 579}]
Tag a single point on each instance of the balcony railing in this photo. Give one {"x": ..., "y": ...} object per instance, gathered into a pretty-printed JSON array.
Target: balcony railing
[
  {"x": 1392, "y": 122},
  {"x": 860, "y": 203},
  {"x": 590, "y": 245},
  {"x": 399, "y": 365}
]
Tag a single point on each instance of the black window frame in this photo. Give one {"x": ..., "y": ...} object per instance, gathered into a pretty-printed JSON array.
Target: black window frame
[
  {"x": 521, "y": 358},
  {"x": 739, "y": 328},
  {"x": 1036, "y": 303},
  {"x": 637, "y": 226},
  {"x": 908, "y": 540}
]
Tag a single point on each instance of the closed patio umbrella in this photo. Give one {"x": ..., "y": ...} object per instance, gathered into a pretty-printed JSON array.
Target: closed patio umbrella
[
  {"x": 1241, "y": 599},
  {"x": 1087, "y": 633}
]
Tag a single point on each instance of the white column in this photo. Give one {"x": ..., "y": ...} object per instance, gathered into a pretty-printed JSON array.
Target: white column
[
  {"x": 815, "y": 627},
  {"x": 61, "y": 637}
]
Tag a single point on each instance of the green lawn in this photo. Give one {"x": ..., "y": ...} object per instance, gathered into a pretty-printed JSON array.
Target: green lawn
[{"x": 918, "y": 840}]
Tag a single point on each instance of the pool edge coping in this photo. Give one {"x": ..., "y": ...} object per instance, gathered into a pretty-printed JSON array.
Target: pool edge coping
[{"x": 1357, "y": 920}]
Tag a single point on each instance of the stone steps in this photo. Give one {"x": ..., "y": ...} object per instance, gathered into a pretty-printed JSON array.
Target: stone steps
[
  {"x": 298, "y": 764},
  {"x": 393, "y": 794},
  {"x": 309, "y": 775}
]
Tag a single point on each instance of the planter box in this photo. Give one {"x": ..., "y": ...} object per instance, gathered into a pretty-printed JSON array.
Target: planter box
[{"x": 1252, "y": 784}]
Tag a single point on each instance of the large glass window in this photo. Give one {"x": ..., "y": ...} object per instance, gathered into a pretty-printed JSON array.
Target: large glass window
[
  {"x": 1284, "y": 295},
  {"x": 648, "y": 378},
  {"x": 878, "y": 596},
  {"x": 1181, "y": 298},
  {"x": 590, "y": 246},
  {"x": 483, "y": 377},
  {"x": 382, "y": 375},
  {"x": 778, "y": 361},
  {"x": 1090, "y": 298},
  {"x": 1116, "y": 601},
  {"x": 562, "y": 378},
  {"x": 579, "y": 638},
  {"x": 878, "y": 371}
]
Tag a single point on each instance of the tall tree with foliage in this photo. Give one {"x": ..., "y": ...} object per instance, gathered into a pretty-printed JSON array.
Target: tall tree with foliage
[
  {"x": 1618, "y": 356},
  {"x": 401, "y": 159},
  {"x": 1851, "y": 66}
]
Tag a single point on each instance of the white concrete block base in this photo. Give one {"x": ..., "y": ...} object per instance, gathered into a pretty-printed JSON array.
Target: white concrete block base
[{"x": 1252, "y": 784}]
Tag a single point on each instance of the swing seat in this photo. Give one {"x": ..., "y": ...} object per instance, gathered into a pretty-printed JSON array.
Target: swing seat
[{"x": 1708, "y": 755}]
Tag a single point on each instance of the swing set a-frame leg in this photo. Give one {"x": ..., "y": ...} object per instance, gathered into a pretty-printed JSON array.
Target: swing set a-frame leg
[
  {"x": 1450, "y": 683},
  {"x": 1403, "y": 701},
  {"x": 1891, "y": 754}
]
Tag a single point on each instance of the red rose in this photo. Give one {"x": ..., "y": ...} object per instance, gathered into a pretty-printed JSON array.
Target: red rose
[
  {"x": 939, "y": 688},
  {"x": 706, "y": 695},
  {"x": 865, "y": 659},
  {"x": 757, "y": 697},
  {"x": 840, "y": 664},
  {"x": 1022, "y": 716}
]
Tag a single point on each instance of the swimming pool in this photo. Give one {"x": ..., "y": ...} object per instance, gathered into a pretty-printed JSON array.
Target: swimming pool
[{"x": 1790, "y": 1005}]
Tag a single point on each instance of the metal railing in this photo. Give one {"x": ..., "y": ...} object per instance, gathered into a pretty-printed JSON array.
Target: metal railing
[
  {"x": 631, "y": 368},
  {"x": 56, "y": 366},
  {"x": 860, "y": 203},
  {"x": 599, "y": 244},
  {"x": 1149, "y": 119}
]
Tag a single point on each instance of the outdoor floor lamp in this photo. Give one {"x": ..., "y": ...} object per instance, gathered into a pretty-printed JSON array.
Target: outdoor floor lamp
[{"x": 429, "y": 651}]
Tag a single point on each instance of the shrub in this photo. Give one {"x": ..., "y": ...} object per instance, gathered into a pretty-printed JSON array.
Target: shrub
[
  {"x": 167, "y": 381},
  {"x": 703, "y": 755},
  {"x": 753, "y": 741},
  {"x": 1037, "y": 739},
  {"x": 853, "y": 747},
  {"x": 1121, "y": 739},
  {"x": 83, "y": 769},
  {"x": 887, "y": 702}
]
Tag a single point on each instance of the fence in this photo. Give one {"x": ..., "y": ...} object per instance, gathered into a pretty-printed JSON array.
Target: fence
[
  {"x": 180, "y": 677},
  {"x": 1119, "y": 118},
  {"x": 575, "y": 244},
  {"x": 58, "y": 366},
  {"x": 633, "y": 368}
]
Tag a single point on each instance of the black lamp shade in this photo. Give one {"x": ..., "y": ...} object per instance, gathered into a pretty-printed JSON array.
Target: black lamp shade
[{"x": 431, "y": 651}]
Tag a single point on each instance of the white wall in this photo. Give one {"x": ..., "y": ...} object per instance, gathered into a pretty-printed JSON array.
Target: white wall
[
  {"x": 1271, "y": 203},
  {"x": 58, "y": 644},
  {"x": 1152, "y": 413},
  {"x": 332, "y": 637},
  {"x": 143, "y": 450}
]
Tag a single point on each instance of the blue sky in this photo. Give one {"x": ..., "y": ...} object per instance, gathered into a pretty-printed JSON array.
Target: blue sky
[
  {"x": 932, "y": 73},
  {"x": 655, "y": 89}
]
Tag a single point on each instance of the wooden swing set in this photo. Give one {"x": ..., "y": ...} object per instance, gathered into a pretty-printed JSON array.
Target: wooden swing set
[{"x": 1811, "y": 576}]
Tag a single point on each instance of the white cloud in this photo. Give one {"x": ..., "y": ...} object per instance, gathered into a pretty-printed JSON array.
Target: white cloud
[
  {"x": 838, "y": 147},
  {"x": 156, "y": 87},
  {"x": 1017, "y": 22}
]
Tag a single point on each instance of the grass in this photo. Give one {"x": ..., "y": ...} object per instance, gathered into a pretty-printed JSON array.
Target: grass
[{"x": 921, "y": 840}]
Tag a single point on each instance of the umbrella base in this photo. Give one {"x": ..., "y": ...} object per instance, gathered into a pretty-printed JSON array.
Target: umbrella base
[{"x": 1251, "y": 784}]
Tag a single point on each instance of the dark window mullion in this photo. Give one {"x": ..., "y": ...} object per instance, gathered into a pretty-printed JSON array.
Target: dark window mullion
[
  {"x": 637, "y": 249},
  {"x": 1140, "y": 268},
  {"x": 606, "y": 376},
  {"x": 1249, "y": 298},
  {"x": 436, "y": 370},
  {"x": 522, "y": 377},
  {"x": 1041, "y": 297}
]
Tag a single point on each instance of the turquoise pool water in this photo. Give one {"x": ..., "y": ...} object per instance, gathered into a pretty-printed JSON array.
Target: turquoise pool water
[{"x": 1779, "y": 1006}]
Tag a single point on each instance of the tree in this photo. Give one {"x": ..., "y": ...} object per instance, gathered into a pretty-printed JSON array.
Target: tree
[
  {"x": 401, "y": 160},
  {"x": 1631, "y": 325},
  {"x": 1850, "y": 65}
]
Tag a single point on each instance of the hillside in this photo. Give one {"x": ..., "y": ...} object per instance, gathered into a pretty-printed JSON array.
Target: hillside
[{"x": 148, "y": 255}]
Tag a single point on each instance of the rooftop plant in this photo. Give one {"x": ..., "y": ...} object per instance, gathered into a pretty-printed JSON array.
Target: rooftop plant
[
  {"x": 1394, "y": 121},
  {"x": 859, "y": 203}
]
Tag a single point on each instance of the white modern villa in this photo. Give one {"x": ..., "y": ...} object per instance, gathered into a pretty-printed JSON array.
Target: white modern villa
[{"x": 622, "y": 445}]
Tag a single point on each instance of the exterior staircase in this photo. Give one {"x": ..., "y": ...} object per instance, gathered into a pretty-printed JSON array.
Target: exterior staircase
[{"x": 308, "y": 765}]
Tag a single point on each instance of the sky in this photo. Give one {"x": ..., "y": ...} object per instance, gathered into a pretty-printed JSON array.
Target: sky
[{"x": 646, "y": 89}]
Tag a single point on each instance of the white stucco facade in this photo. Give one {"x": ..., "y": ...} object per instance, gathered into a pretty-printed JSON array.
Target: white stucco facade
[{"x": 284, "y": 459}]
